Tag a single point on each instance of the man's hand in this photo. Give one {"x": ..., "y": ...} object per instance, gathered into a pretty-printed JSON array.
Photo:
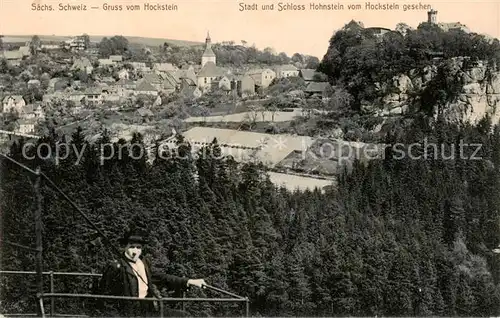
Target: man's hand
[{"x": 196, "y": 282}]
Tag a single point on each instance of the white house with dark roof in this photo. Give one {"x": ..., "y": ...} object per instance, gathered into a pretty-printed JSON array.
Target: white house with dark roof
[
  {"x": 13, "y": 103},
  {"x": 26, "y": 126},
  {"x": 262, "y": 77},
  {"x": 288, "y": 70}
]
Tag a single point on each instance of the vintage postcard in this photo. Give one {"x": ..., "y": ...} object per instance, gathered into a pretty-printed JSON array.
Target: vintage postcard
[{"x": 223, "y": 158}]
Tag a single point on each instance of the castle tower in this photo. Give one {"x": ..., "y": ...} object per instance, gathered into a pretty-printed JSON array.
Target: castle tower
[
  {"x": 432, "y": 16},
  {"x": 208, "y": 55}
]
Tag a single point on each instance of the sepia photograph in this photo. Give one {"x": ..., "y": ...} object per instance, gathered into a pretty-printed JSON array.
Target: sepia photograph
[{"x": 249, "y": 159}]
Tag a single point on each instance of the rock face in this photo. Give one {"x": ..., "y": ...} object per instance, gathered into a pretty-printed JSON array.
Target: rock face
[{"x": 479, "y": 96}]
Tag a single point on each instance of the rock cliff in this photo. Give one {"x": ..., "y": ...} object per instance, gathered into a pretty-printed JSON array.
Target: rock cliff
[{"x": 479, "y": 94}]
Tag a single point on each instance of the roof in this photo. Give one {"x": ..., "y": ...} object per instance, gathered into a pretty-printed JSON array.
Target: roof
[
  {"x": 164, "y": 67},
  {"x": 188, "y": 91},
  {"x": 316, "y": 87},
  {"x": 287, "y": 67},
  {"x": 210, "y": 70},
  {"x": 27, "y": 109},
  {"x": 307, "y": 74},
  {"x": 145, "y": 86},
  {"x": 25, "y": 50},
  {"x": 258, "y": 71},
  {"x": 208, "y": 52},
  {"x": 270, "y": 149},
  {"x": 152, "y": 77},
  {"x": 81, "y": 62},
  {"x": 105, "y": 61},
  {"x": 116, "y": 58},
  {"x": 145, "y": 112},
  {"x": 13, "y": 55},
  {"x": 17, "y": 98}
]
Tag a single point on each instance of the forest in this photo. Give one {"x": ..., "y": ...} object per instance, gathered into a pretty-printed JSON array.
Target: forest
[{"x": 396, "y": 237}]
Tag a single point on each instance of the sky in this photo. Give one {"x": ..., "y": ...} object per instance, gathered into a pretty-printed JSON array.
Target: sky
[{"x": 306, "y": 32}]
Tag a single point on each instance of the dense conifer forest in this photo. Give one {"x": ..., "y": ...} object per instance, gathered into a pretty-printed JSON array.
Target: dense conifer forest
[{"x": 397, "y": 237}]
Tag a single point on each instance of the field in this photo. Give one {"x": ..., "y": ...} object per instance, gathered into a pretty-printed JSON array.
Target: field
[{"x": 97, "y": 38}]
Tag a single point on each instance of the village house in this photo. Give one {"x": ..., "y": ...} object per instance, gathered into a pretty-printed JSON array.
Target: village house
[
  {"x": 318, "y": 88},
  {"x": 184, "y": 74},
  {"x": 283, "y": 71},
  {"x": 13, "y": 103},
  {"x": 82, "y": 64},
  {"x": 311, "y": 75},
  {"x": 13, "y": 57},
  {"x": 116, "y": 58},
  {"x": 111, "y": 93},
  {"x": 140, "y": 66},
  {"x": 164, "y": 67},
  {"x": 244, "y": 85},
  {"x": 50, "y": 47},
  {"x": 225, "y": 84},
  {"x": 125, "y": 87},
  {"x": 145, "y": 88},
  {"x": 145, "y": 113},
  {"x": 25, "y": 51},
  {"x": 154, "y": 79},
  {"x": 105, "y": 62},
  {"x": 75, "y": 44},
  {"x": 262, "y": 77},
  {"x": 26, "y": 126},
  {"x": 93, "y": 96},
  {"x": 123, "y": 74},
  {"x": 170, "y": 84},
  {"x": 190, "y": 91},
  {"x": 39, "y": 112},
  {"x": 33, "y": 83},
  {"x": 27, "y": 112}
]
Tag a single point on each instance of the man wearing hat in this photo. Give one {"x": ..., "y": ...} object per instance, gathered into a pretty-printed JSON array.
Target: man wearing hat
[{"x": 132, "y": 276}]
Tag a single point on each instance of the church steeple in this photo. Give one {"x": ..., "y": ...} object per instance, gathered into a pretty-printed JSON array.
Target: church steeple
[
  {"x": 208, "y": 55},
  {"x": 208, "y": 41}
]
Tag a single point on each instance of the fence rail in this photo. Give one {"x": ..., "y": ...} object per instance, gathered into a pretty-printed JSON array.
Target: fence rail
[{"x": 52, "y": 295}]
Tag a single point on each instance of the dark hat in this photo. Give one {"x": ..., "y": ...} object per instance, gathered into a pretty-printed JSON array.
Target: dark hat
[{"x": 132, "y": 237}]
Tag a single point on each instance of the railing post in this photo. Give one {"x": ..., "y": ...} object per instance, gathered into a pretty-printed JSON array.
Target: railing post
[
  {"x": 52, "y": 291},
  {"x": 40, "y": 305},
  {"x": 38, "y": 234},
  {"x": 161, "y": 308},
  {"x": 247, "y": 309},
  {"x": 183, "y": 303}
]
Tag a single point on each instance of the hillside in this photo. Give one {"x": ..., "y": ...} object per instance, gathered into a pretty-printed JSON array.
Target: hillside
[{"x": 155, "y": 42}]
